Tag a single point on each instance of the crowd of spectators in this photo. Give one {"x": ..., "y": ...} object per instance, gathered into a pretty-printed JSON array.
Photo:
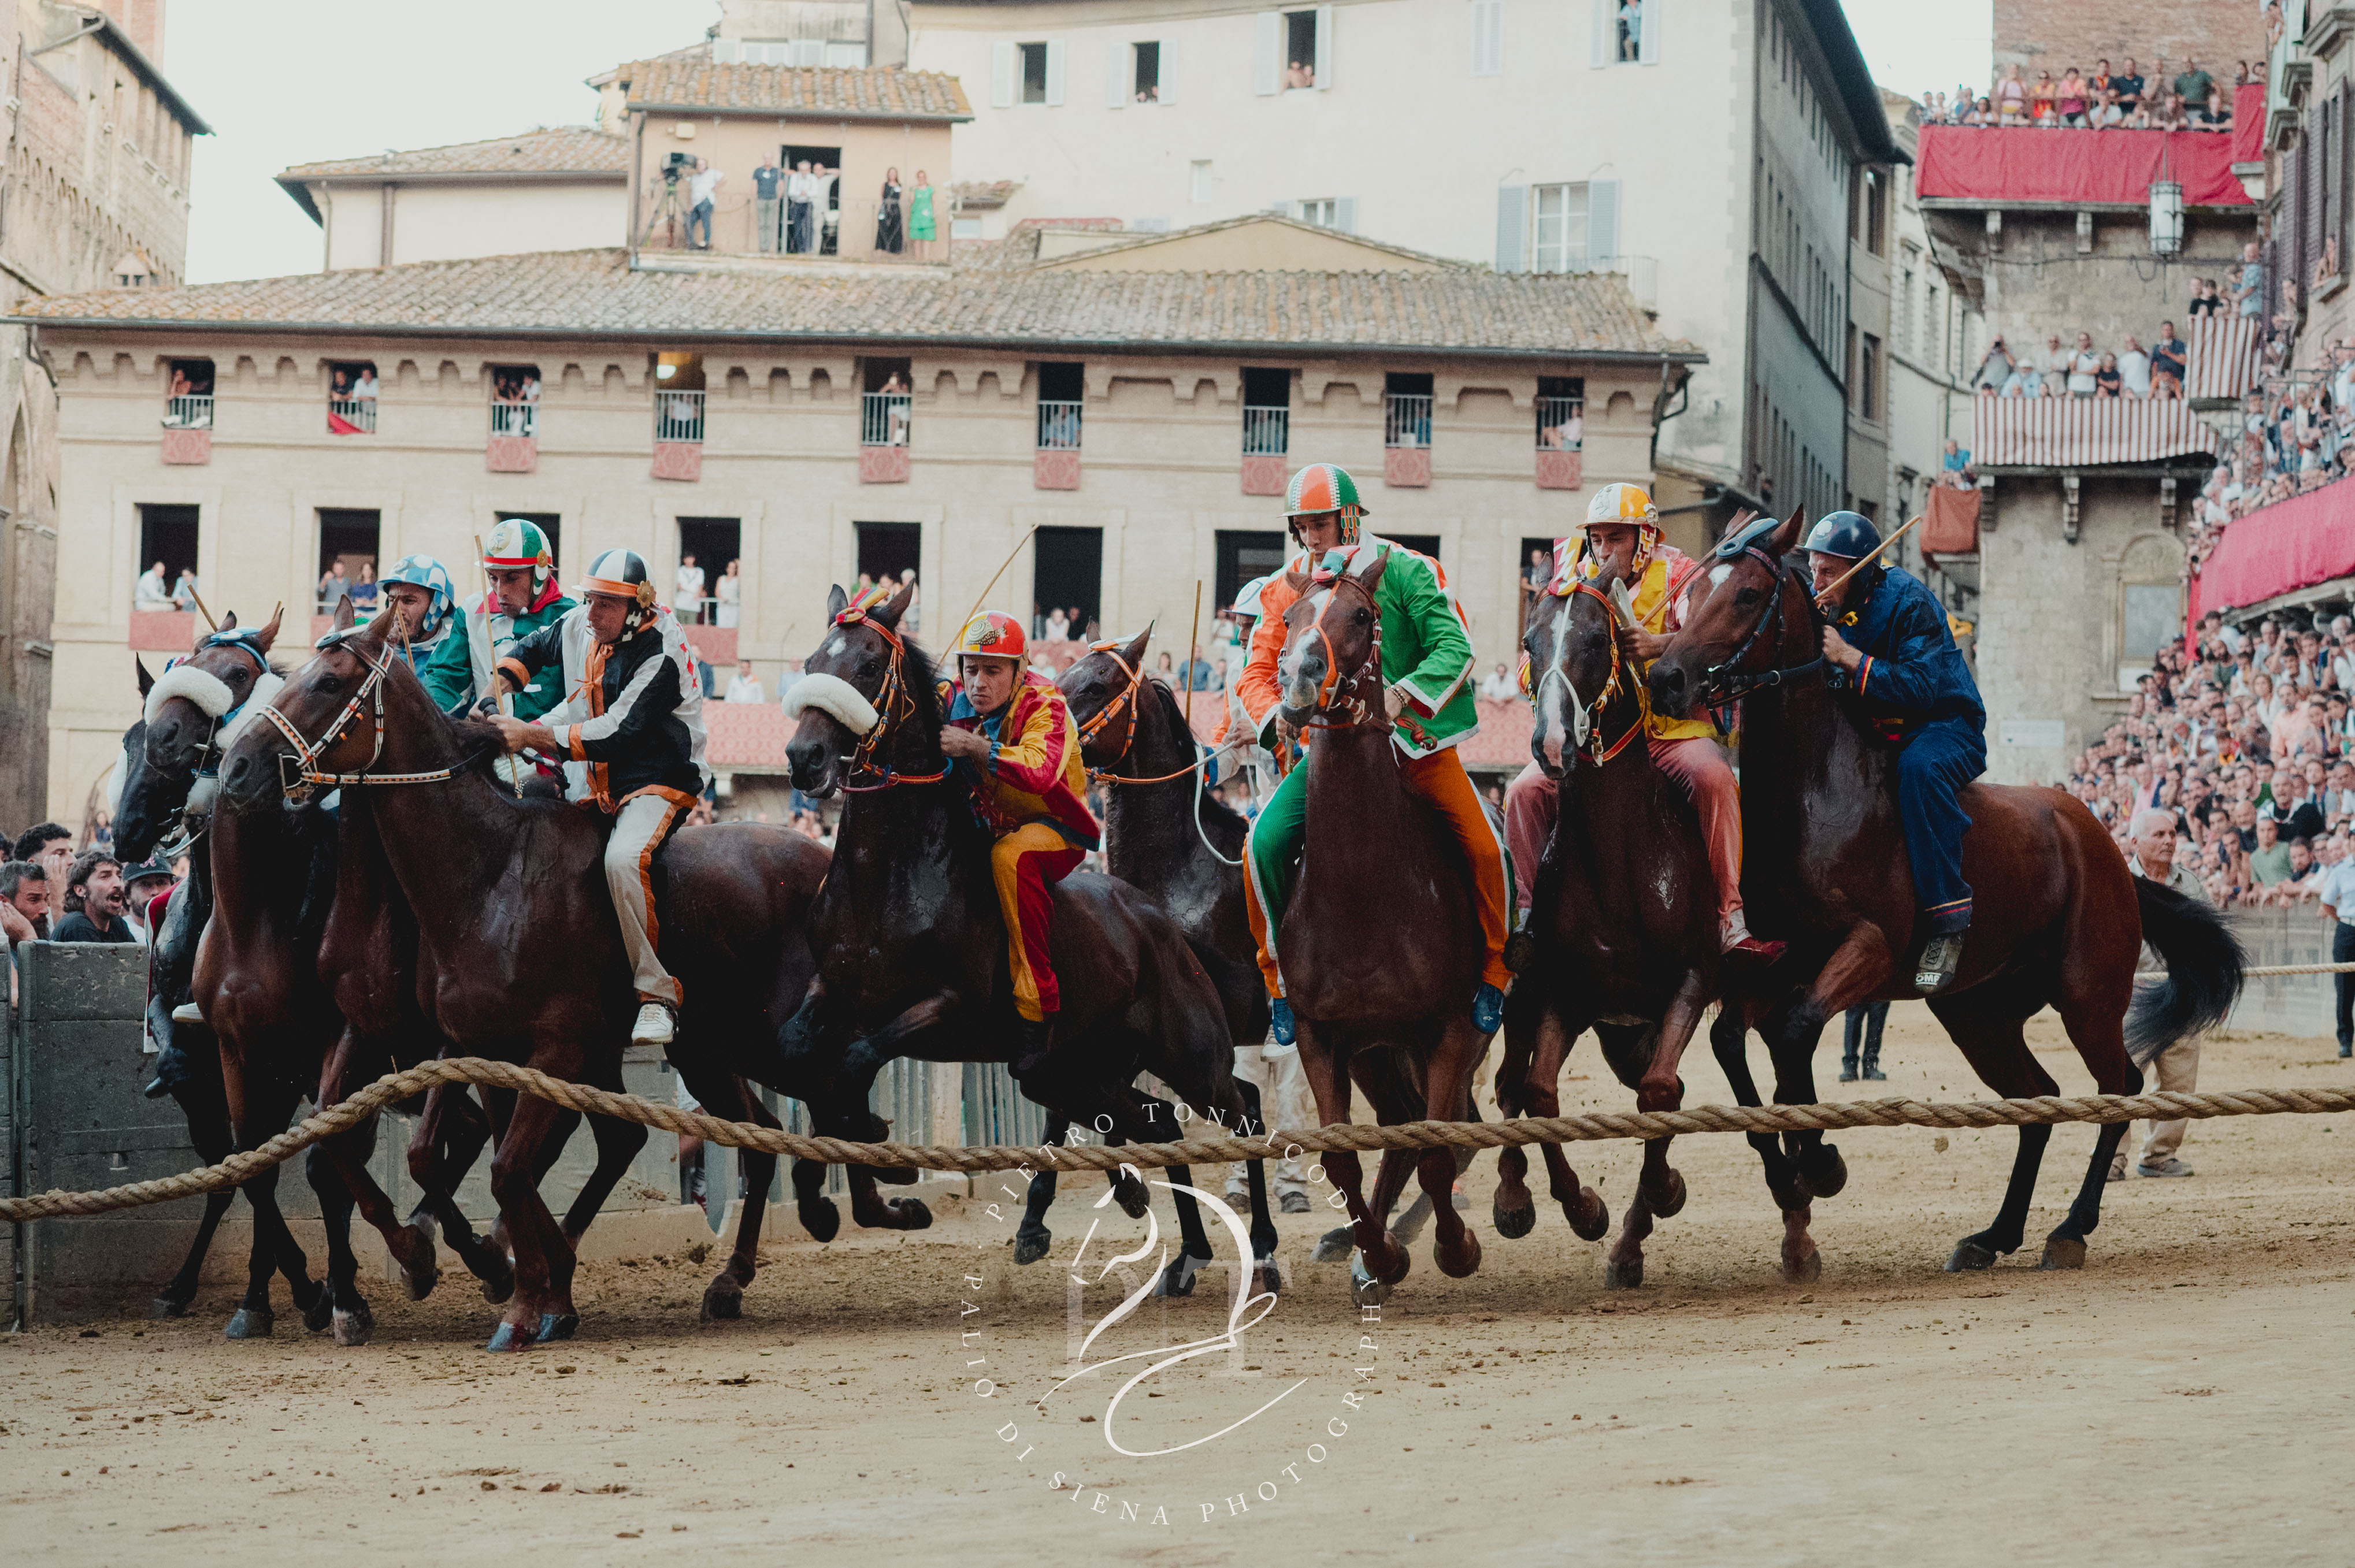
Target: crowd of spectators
[
  {"x": 2083, "y": 369},
  {"x": 2296, "y": 435},
  {"x": 2098, "y": 99}
]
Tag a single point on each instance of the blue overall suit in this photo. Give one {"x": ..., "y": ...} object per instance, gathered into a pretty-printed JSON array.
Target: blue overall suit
[{"x": 1915, "y": 684}]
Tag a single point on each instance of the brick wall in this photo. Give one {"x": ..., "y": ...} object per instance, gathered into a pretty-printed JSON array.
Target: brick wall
[
  {"x": 143, "y": 20},
  {"x": 2053, "y": 35}
]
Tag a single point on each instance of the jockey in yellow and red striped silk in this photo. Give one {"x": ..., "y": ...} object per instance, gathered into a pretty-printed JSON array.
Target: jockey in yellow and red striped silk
[
  {"x": 1011, "y": 738},
  {"x": 1622, "y": 536}
]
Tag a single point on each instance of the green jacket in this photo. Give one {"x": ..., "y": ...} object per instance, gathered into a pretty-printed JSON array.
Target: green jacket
[{"x": 459, "y": 673}]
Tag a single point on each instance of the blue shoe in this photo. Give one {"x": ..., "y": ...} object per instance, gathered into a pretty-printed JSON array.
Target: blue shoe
[
  {"x": 1487, "y": 1008},
  {"x": 1279, "y": 1013}
]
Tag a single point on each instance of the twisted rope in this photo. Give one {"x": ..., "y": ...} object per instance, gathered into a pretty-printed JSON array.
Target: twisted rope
[{"x": 1601, "y": 1125}]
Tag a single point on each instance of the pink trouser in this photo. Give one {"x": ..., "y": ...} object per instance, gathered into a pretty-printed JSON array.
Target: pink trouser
[{"x": 1698, "y": 767}]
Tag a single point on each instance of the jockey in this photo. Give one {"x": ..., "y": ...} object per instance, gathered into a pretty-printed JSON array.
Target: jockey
[
  {"x": 1427, "y": 664},
  {"x": 1622, "y": 536},
  {"x": 1891, "y": 638},
  {"x": 417, "y": 589},
  {"x": 1011, "y": 738},
  {"x": 524, "y": 597},
  {"x": 634, "y": 718}
]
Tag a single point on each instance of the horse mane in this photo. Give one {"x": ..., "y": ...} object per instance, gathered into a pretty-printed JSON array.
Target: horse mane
[
  {"x": 922, "y": 680},
  {"x": 479, "y": 745}
]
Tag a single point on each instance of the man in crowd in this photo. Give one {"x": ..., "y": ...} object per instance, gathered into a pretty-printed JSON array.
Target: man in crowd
[
  {"x": 700, "y": 191},
  {"x": 2337, "y": 899},
  {"x": 2168, "y": 359},
  {"x": 142, "y": 886},
  {"x": 50, "y": 847},
  {"x": 2153, "y": 841},
  {"x": 94, "y": 901},
  {"x": 24, "y": 898},
  {"x": 765, "y": 181},
  {"x": 799, "y": 229},
  {"x": 746, "y": 686},
  {"x": 2269, "y": 862},
  {"x": 687, "y": 601}
]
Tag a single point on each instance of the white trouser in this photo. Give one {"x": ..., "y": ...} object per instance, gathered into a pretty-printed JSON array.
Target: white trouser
[
  {"x": 1285, "y": 1101},
  {"x": 638, "y": 830}
]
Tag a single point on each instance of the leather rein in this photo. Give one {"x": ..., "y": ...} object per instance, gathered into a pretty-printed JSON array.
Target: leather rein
[
  {"x": 892, "y": 705},
  {"x": 299, "y": 770},
  {"x": 1128, "y": 702},
  {"x": 1722, "y": 683}
]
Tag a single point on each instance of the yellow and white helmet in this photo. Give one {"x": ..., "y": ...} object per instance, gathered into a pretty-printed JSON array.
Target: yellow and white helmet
[{"x": 1624, "y": 504}]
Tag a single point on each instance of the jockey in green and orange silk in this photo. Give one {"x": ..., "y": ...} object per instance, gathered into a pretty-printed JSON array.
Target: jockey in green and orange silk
[
  {"x": 1010, "y": 736},
  {"x": 1427, "y": 667}
]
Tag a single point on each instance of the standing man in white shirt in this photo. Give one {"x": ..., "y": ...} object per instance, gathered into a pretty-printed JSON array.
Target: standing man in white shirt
[
  {"x": 700, "y": 191},
  {"x": 798, "y": 227},
  {"x": 2133, "y": 369},
  {"x": 2151, "y": 852},
  {"x": 690, "y": 591},
  {"x": 2083, "y": 361},
  {"x": 746, "y": 686},
  {"x": 2337, "y": 899}
]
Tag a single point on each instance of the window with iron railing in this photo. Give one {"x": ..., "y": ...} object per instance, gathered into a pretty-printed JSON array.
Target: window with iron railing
[
  {"x": 1267, "y": 432},
  {"x": 1562, "y": 424},
  {"x": 678, "y": 415},
  {"x": 1406, "y": 420},
  {"x": 351, "y": 416},
  {"x": 883, "y": 419},
  {"x": 188, "y": 412},
  {"x": 1058, "y": 425},
  {"x": 515, "y": 417}
]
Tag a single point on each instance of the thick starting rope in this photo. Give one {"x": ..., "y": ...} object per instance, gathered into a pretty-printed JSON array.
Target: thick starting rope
[{"x": 1224, "y": 1148}]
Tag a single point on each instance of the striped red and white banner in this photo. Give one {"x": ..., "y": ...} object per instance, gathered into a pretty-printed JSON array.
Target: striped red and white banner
[
  {"x": 2223, "y": 361},
  {"x": 2083, "y": 432}
]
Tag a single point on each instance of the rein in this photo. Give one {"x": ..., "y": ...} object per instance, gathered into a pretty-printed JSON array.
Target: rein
[
  {"x": 1722, "y": 683},
  {"x": 302, "y": 769},
  {"x": 892, "y": 704},
  {"x": 1595, "y": 749},
  {"x": 1128, "y": 700}
]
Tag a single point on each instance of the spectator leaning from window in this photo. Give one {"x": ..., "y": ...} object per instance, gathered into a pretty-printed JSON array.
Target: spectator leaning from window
[
  {"x": 1956, "y": 465},
  {"x": 765, "y": 202},
  {"x": 2083, "y": 364},
  {"x": 912, "y": 617},
  {"x": 185, "y": 590},
  {"x": 799, "y": 229},
  {"x": 149, "y": 595},
  {"x": 702, "y": 189},
  {"x": 1498, "y": 685},
  {"x": 1164, "y": 672},
  {"x": 690, "y": 591},
  {"x": 1059, "y": 626},
  {"x": 729, "y": 591},
  {"x": 93, "y": 902},
  {"x": 2106, "y": 113},
  {"x": 746, "y": 686},
  {"x": 363, "y": 388}
]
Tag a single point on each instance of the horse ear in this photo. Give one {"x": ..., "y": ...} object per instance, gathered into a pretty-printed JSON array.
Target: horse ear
[
  {"x": 1785, "y": 539},
  {"x": 344, "y": 614},
  {"x": 890, "y": 612},
  {"x": 1133, "y": 654},
  {"x": 229, "y": 622},
  {"x": 269, "y": 634},
  {"x": 146, "y": 680},
  {"x": 836, "y": 602},
  {"x": 379, "y": 626},
  {"x": 1297, "y": 582}
]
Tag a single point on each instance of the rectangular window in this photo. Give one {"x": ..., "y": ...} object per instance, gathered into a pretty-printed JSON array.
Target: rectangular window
[
  {"x": 514, "y": 399},
  {"x": 1145, "y": 73},
  {"x": 679, "y": 397},
  {"x": 1625, "y": 32},
  {"x": 1561, "y": 413},
  {"x": 1868, "y": 378},
  {"x": 1034, "y": 72},
  {"x": 1487, "y": 37},
  {"x": 1406, "y": 410},
  {"x": 1244, "y": 556},
  {"x": 1329, "y": 212},
  {"x": 1201, "y": 179},
  {"x": 1061, "y": 386},
  {"x": 2154, "y": 619},
  {"x": 706, "y": 545},
  {"x": 347, "y": 539},
  {"x": 167, "y": 556},
  {"x": 1267, "y": 412},
  {"x": 189, "y": 397},
  {"x": 351, "y": 397},
  {"x": 1558, "y": 228},
  {"x": 1068, "y": 574},
  {"x": 1300, "y": 50},
  {"x": 889, "y": 551},
  {"x": 1420, "y": 544},
  {"x": 887, "y": 403}
]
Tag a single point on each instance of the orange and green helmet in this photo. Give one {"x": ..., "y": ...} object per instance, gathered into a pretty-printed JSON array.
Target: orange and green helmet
[
  {"x": 1325, "y": 487},
  {"x": 990, "y": 635}
]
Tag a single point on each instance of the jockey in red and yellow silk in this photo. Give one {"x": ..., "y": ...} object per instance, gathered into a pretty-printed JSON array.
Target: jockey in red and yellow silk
[{"x": 1011, "y": 738}]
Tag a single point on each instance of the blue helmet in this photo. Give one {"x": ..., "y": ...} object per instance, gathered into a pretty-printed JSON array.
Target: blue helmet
[
  {"x": 432, "y": 576},
  {"x": 1847, "y": 535}
]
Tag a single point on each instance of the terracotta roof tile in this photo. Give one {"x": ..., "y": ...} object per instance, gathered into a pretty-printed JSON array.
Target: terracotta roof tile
[
  {"x": 563, "y": 149},
  {"x": 711, "y": 85}
]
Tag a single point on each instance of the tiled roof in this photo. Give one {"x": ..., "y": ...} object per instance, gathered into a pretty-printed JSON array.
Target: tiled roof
[
  {"x": 708, "y": 85},
  {"x": 561, "y": 149},
  {"x": 593, "y": 293}
]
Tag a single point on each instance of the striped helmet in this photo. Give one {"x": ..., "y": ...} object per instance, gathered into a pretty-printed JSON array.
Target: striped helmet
[
  {"x": 425, "y": 572},
  {"x": 515, "y": 543},
  {"x": 1621, "y": 504},
  {"x": 1325, "y": 487},
  {"x": 990, "y": 635},
  {"x": 623, "y": 574}
]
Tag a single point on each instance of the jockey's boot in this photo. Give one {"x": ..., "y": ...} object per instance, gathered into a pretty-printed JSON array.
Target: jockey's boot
[
  {"x": 1940, "y": 958},
  {"x": 1487, "y": 1008},
  {"x": 1279, "y": 1019},
  {"x": 657, "y": 1023},
  {"x": 1741, "y": 944},
  {"x": 1037, "y": 1039}
]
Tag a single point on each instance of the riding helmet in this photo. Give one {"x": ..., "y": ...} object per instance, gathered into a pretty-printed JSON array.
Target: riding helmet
[
  {"x": 622, "y": 573},
  {"x": 431, "y": 575},
  {"x": 990, "y": 635},
  {"x": 515, "y": 543},
  {"x": 1847, "y": 535},
  {"x": 1325, "y": 487}
]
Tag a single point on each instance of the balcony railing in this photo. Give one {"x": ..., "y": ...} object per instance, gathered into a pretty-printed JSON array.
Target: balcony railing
[
  {"x": 679, "y": 417},
  {"x": 1267, "y": 432},
  {"x": 188, "y": 413},
  {"x": 1562, "y": 424},
  {"x": 1406, "y": 420},
  {"x": 351, "y": 416},
  {"x": 515, "y": 418},
  {"x": 883, "y": 419},
  {"x": 1058, "y": 427}
]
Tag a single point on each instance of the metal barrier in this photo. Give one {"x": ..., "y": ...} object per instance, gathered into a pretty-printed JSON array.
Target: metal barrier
[
  {"x": 188, "y": 412},
  {"x": 2286, "y": 1004},
  {"x": 513, "y": 417},
  {"x": 883, "y": 419},
  {"x": 1267, "y": 432},
  {"x": 1562, "y": 424},
  {"x": 678, "y": 415},
  {"x": 1058, "y": 425},
  {"x": 1406, "y": 420}
]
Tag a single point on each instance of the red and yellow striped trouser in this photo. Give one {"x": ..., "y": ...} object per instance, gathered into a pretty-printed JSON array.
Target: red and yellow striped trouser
[{"x": 1024, "y": 864}]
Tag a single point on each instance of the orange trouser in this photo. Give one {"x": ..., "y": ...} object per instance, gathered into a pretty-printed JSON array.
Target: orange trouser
[
  {"x": 1024, "y": 864},
  {"x": 1699, "y": 769},
  {"x": 1437, "y": 779}
]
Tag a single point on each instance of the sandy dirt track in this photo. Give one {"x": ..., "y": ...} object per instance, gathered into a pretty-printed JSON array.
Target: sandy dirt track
[{"x": 2189, "y": 1396}]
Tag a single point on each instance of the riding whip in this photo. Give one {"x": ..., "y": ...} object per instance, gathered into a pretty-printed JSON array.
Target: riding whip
[
  {"x": 210, "y": 623},
  {"x": 1885, "y": 544},
  {"x": 997, "y": 574},
  {"x": 1193, "y": 655}
]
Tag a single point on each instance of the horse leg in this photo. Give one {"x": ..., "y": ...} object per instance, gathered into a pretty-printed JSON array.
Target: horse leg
[
  {"x": 254, "y": 1108},
  {"x": 1445, "y": 1076},
  {"x": 1265, "y": 1276},
  {"x": 449, "y": 1139},
  {"x": 209, "y": 1131},
  {"x": 1858, "y": 969},
  {"x": 346, "y": 1156},
  {"x": 1031, "y": 1237},
  {"x": 618, "y": 1143},
  {"x": 2098, "y": 1034},
  {"x": 1193, "y": 1242},
  {"x": 1381, "y": 1262},
  {"x": 732, "y": 1097},
  {"x": 347, "y": 1309},
  {"x": 1986, "y": 1022},
  {"x": 1581, "y": 1205},
  {"x": 541, "y": 1307},
  {"x": 1515, "y": 1212},
  {"x": 1728, "y": 1038}
]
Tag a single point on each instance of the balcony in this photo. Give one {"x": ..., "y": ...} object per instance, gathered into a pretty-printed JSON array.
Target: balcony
[
  {"x": 2030, "y": 166},
  {"x": 1056, "y": 465},
  {"x": 1406, "y": 439},
  {"x": 351, "y": 416},
  {"x": 515, "y": 436},
  {"x": 678, "y": 435},
  {"x": 1562, "y": 434},
  {"x": 188, "y": 429},
  {"x": 883, "y": 424},
  {"x": 1267, "y": 437}
]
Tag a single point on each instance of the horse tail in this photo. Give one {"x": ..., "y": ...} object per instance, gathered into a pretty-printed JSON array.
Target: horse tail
[{"x": 2204, "y": 964}]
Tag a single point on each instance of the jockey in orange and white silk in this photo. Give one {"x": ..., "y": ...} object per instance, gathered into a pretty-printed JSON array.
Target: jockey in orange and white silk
[{"x": 1659, "y": 577}]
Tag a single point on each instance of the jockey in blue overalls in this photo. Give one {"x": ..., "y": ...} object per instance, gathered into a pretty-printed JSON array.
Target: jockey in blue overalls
[{"x": 1891, "y": 639}]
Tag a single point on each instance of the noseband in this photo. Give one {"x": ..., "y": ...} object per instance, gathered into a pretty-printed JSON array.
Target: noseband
[
  {"x": 301, "y": 770},
  {"x": 892, "y": 704},
  {"x": 1723, "y": 683},
  {"x": 1356, "y": 710},
  {"x": 1127, "y": 703}
]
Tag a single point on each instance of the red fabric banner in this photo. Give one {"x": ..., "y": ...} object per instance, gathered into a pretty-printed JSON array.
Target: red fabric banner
[
  {"x": 2290, "y": 545},
  {"x": 2027, "y": 164},
  {"x": 1951, "y": 523}
]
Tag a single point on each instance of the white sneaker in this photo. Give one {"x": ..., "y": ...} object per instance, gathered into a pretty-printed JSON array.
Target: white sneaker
[
  {"x": 654, "y": 1026},
  {"x": 188, "y": 1013}
]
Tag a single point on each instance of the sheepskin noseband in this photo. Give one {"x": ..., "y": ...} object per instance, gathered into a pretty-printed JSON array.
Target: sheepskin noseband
[
  {"x": 207, "y": 691},
  {"x": 831, "y": 694}
]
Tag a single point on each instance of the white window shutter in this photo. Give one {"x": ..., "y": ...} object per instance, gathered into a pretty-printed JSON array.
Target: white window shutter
[
  {"x": 1323, "y": 48},
  {"x": 1169, "y": 70},
  {"x": 1487, "y": 37},
  {"x": 1054, "y": 72},
  {"x": 1118, "y": 79},
  {"x": 1001, "y": 74},
  {"x": 1648, "y": 45},
  {"x": 1602, "y": 224},
  {"x": 1267, "y": 58},
  {"x": 1512, "y": 219},
  {"x": 1599, "y": 51},
  {"x": 1345, "y": 208}
]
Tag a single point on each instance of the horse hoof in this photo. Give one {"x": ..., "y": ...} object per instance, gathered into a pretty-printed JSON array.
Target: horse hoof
[
  {"x": 1335, "y": 1244},
  {"x": 1623, "y": 1274},
  {"x": 250, "y": 1323},
  {"x": 355, "y": 1328},
  {"x": 1670, "y": 1199},
  {"x": 1130, "y": 1195},
  {"x": 1457, "y": 1262},
  {"x": 1365, "y": 1290},
  {"x": 320, "y": 1313},
  {"x": 820, "y": 1218},
  {"x": 498, "y": 1286},
  {"x": 1803, "y": 1270},
  {"x": 723, "y": 1301},
  {"x": 1971, "y": 1255},
  {"x": 1177, "y": 1279},
  {"x": 1515, "y": 1223},
  {"x": 909, "y": 1214},
  {"x": 1596, "y": 1217},
  {"x": 167, "y": 1307},
  {"x": 2063, "y": 1252},
  {"x": 1823, "y": 1173},
  {"x": 555, "y": 1326},
  {"x": 1029, "y": 1246},
  {"x": 1266, "y": 1278},
  {"x": 508, "y": 1337}
]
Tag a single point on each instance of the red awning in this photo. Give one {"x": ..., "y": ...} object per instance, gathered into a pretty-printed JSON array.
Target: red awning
[
  {"x": 2024, "y": 164},
  {"x": 2083, "y": 432},
  {"x": 2291, "y": 545}
]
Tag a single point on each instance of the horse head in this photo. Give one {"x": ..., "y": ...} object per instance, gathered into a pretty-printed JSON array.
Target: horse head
[
  {"x": 1577, "y": 669},
  {"x": 1105, "y": 690},
  {"x": 1331, "y": 662},
  {"x": 1728, "y": 629},
  {"x": 357, "y": 706},
  {"x": 186, "y": 703},
  {"x": 854, "y": 689}
]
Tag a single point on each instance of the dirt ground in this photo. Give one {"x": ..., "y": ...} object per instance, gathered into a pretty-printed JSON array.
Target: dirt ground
[{"x": 2189, "y": 1396}]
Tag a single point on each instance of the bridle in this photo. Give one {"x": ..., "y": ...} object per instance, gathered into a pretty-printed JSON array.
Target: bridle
[
  {"x": 1125, "y": 703},
  {"x": 892, "y": 704},
  {"x": 1594, "y": 749},
  {"x": 1723, "y": 683},
  {"x": 1355, "y": 708},
  {"x": 300, "y": 769}
]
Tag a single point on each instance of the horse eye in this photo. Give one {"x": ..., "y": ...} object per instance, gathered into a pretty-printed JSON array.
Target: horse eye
[
  {"x": 330, "y": 685},
  {"x": 1364, "y": 615},
  {"x": 1747, "y": 595}
]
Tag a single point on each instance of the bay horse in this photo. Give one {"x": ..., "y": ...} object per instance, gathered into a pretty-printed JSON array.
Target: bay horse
[
  {"x": 1624, "y": 914},
  {"x": 911, "y": 950},
  {"x": 2060, "y": 919},
  {"x": 518, "y": 955},
  {"x": 1380, "y": 945}
]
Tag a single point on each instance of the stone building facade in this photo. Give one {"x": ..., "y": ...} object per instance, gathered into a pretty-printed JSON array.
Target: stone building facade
[{"x": 2053, "y": 35}]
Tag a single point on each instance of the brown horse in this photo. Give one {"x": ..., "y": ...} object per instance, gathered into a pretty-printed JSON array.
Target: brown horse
[
  {"x": 518, "y": 954},
  {"x": 1380, "y": 945},
  {"x": 911, "y": 951},
  {"x": 2060, "y": 919},
  {"x": 1625, "y": 923}
]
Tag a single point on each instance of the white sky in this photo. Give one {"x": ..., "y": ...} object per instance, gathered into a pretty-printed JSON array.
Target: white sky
[{"x": 294, "y": 81}]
